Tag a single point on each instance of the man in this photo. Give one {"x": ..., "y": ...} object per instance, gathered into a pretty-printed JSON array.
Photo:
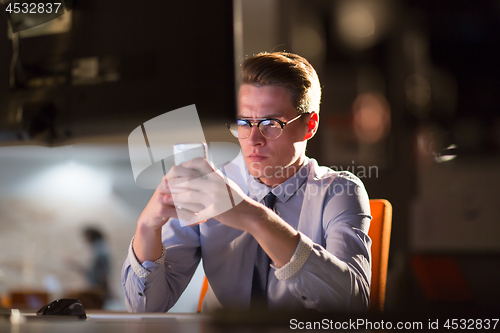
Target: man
[
  {"x": 97, "y": 273},
  {"x": 315, "y": 233}
]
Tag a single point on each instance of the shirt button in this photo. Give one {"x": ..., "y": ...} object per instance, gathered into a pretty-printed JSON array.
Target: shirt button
[{"x": 141, "y": 294}]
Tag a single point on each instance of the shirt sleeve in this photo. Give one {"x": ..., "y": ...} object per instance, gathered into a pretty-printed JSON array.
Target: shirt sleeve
[
  {"x": 300, "y": 256},
  {"x": 144, "y": 269},
  {"x": 335, "y": 274},
  {"x": 156, "y": 286}
]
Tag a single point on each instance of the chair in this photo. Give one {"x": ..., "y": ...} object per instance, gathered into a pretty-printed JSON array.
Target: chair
[
  {"x": 204, "y": 289},
  {"x": 380, "y": 234}
]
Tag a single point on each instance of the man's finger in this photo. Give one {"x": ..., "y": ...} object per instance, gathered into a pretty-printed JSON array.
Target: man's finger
[
  {"x": 194, "y": 199},
  {"x": 199, "y": 164},
  {"x": 198, "y": 184},
  {"x": 180, "y": 171},
  {"x": 163, "y": 187}
]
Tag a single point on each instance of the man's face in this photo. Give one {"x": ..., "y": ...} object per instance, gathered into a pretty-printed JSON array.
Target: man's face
[{"x": 271, "y": 160}]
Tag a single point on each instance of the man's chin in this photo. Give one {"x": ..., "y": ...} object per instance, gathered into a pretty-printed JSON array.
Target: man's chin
[
  {"x": 265, "y": 172},
  {"x": 256, "y": 174},
  {"x": 259, "y": 170}
]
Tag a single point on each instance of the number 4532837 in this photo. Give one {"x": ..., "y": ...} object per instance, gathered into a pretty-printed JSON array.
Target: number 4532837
[
  {"x": 470, "y": 324},
  {"x": 33, "y": 8}
]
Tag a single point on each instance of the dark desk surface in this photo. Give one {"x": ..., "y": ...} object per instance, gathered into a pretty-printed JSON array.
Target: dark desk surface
[
  {"x": 233, "y": 321},
  {"x": 124, "y": 322},
  {"x": 109, "y": 322}
]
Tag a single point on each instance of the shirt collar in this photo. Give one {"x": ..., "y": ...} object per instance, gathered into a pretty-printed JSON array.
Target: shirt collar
[{"x": 283, "y": 191}]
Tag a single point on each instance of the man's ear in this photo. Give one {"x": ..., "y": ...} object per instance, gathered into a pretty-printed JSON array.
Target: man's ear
[{"x": 312, "y": 126}]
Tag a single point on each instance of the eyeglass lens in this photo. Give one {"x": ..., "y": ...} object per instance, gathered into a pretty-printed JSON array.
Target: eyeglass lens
[{"x": 271, "y": 129}]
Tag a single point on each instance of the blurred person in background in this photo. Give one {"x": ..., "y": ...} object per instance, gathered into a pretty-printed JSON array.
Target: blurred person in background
[{"x": 97, "y": 272}]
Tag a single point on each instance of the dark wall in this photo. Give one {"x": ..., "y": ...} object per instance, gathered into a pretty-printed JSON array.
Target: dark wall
[{"x": 152, "y": 59}]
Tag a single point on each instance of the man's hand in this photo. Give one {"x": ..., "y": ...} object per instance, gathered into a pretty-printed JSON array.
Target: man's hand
[
  {"x": 203, "y": 193},
  {"x": 200, "y": 193},
  {"x": 159, "y": 209},
  {"x": 147, "y": 241}
]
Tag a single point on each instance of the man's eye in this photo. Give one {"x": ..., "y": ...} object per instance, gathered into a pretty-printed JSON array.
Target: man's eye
[{"x": 270, "y": 123}]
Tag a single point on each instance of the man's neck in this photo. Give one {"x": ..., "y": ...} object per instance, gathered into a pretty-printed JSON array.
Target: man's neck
[{"x": 283, "y": 175}]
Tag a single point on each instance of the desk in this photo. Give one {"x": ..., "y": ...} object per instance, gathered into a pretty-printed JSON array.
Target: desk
[
  {"x": 124, "y": 322},
  {"x": 237, "y": 322},
  {"x": 107, "y": 322}
]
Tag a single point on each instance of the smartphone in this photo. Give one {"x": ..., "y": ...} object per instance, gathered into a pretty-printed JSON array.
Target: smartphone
[
  {"x": 184, "y": 152},
  {"x": 187, "y": 151}
]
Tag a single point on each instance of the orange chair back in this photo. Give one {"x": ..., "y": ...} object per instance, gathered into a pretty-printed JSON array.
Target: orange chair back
[
  {"x": 380, "y": 234},
  {"x": 204, "y": 289}
]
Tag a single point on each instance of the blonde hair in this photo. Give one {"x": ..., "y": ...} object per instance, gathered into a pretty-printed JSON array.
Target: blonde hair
[{"x": 286, "y": 70}]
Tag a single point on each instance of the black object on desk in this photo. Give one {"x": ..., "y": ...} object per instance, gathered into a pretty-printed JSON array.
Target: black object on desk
[{"x": 63, "y": 307}]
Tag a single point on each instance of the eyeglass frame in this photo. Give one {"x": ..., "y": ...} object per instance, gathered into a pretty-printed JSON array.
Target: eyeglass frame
[{"x": 260, "y": 120}]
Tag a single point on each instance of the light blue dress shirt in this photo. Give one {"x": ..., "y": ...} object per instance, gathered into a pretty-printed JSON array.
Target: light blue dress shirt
[{"x": 329, "y": 271}]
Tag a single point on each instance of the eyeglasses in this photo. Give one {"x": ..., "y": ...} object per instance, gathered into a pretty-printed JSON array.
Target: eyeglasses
[{"x": 270, "y": 128}]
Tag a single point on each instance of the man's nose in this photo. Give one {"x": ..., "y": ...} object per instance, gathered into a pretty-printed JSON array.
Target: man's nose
[{"x": 256, "y": 137}]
